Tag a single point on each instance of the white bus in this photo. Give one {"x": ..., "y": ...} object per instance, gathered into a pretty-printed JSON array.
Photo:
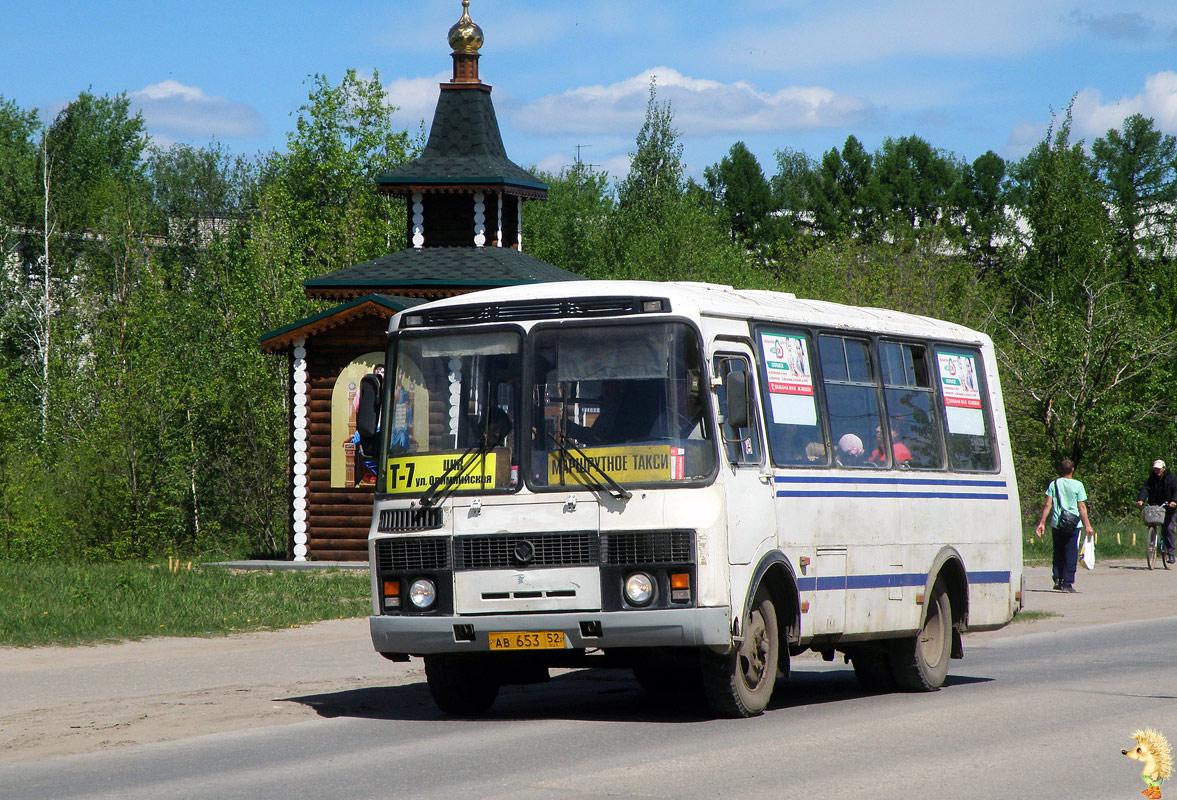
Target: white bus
[{"x": 690, "y": 481}]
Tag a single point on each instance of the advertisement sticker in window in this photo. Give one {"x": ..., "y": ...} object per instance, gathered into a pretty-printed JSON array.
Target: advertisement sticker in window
[
  {"x": 962, "y": 393},
  {"x": 789, "y": 378}
]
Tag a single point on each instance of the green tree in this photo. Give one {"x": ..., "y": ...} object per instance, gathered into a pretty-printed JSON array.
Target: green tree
[
  {"x": 659, "y": 231},
  {"x": 835, "y": 190},
  {"x": 1073, "y": 335},
  {"x": 569, "y": 228},
  {"x": 96, "y": 147},
  {"x": 979, "y": 205},
  {"x": 790, "y": 191},
  {"x": 908, "y": 190},
  {"x": 1138, "y": 165},
  {"x": 19, "y": 130},
  {"x": 317, "y": 209},
  {"x": 743, "y": 195},
  {"x": 655, "y": 178},
  {"x": 18, "y": 169}
]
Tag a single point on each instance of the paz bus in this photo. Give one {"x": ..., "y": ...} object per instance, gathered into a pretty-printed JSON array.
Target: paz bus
[{"x": 693, "y": 482}]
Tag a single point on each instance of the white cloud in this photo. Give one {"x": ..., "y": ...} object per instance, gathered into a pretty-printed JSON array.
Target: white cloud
[
  {"x": 701, "y": 107},
  {"x": 1023, "y": 137},
  {"x": 174, "y": 112},
  {"x": 615, "y": 164},
  {"x": 820, "y": 35},
  {"x": 415, "y": 99},
  {"x": 1092, "y": 117}
]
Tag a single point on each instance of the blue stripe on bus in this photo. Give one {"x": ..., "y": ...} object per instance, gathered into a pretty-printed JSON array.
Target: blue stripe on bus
[
  {"x": 918, "y": 495},
  {"x": 843, "y": 582},
  {"x": 905, "y": 481},
  {"x": 896, "y": 487}
]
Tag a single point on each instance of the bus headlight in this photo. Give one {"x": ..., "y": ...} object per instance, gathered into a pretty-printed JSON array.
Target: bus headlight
[
  {"x": 639, "y": 589},
  {"x": 423, "y": 593}
]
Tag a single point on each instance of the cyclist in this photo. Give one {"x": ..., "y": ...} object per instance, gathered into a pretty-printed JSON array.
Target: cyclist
[{"x": 1161, "y": 490}]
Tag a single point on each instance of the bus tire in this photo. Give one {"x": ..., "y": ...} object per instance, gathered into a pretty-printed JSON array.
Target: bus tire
[
  {"x": 740, "y": 683},
  {"x": 461, "y": 685},
  {"x": 872, "y": 668},
  {"x": 920, "y": 663}
]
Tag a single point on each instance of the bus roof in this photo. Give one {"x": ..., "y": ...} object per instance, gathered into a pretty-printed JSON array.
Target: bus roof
[{"x": 716, "y": 300}]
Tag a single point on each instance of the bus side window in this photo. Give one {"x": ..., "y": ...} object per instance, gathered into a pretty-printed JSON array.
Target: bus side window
[
  {"x": 741, "y": 445},
  {"x": 852, "y": 402},
  {"x": 909, "y": 398},
  {"x": 791, "y": 413},
  {"x": 964, "y": 401}
]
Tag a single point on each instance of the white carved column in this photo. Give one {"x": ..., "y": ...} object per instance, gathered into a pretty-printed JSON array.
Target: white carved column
[
  {"x": 301, "y": 396},
  {"x": 479, "y": 219},
  {"x": 418, "y": 211},
  {"x": 499, "y": 233}
]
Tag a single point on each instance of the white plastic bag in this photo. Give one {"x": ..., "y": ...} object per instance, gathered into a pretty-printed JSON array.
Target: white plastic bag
[{"x": 1087, "y": 552}]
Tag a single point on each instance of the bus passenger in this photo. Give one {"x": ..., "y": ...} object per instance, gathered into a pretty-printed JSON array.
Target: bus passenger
[
  {"x": 898, "y": 449},
  {"x": 850, "y": 451}
]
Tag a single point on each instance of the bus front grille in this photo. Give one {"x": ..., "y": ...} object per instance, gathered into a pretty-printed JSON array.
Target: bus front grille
[
  {"x": 409, "y": 519},
  {"x": 527, "y": 550},
  {"x": 412, "y": 553},
  {"x": 647, "y": 547}
]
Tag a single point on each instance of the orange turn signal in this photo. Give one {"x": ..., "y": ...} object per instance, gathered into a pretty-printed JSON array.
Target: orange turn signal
[
  {"x": 680, "y": 580},
  {"x": 392, "y": 594}
]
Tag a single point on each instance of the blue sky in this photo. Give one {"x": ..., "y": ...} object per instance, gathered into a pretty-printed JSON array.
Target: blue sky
[{"x": 966, "y": 76}]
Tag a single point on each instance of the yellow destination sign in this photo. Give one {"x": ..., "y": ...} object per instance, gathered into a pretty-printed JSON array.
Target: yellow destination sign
[
  {"x": 641, "y": 464},
  {"x": 418, "y": 473}
]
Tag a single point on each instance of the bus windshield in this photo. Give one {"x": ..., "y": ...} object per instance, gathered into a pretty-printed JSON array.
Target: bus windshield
[
  {"x": 630, "y": 398},
  {"x": 452, "y": 413}
]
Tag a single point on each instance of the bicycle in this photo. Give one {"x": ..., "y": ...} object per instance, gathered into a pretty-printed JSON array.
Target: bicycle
[{"x": 1154, "y": 549}]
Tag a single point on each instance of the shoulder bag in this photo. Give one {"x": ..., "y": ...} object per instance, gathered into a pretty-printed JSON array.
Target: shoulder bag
[{"x": 1068, "y": 521}]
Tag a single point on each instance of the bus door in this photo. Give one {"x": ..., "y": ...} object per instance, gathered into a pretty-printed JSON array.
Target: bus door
[{"x": 751, "y": 515}]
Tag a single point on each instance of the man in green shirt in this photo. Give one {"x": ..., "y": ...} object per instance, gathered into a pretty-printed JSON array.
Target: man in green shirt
[{"x": 1065, "y": 494}]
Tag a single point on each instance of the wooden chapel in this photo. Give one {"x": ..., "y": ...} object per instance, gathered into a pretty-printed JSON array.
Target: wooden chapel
[{"x": 465, "y": 230}]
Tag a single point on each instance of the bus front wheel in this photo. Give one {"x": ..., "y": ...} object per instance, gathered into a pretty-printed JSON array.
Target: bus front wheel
[
  {"x": 462, "y": 685},
  {"x": 739, "y": 684},
  {"x": 920, "y": 663}
]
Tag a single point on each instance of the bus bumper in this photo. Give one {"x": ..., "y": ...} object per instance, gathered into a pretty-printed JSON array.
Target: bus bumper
[{"x": 694, "y": 627}]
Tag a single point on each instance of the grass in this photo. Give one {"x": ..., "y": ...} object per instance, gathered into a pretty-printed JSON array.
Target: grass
[
  {"x": 1037, "y": 552},
  {"x": 71, "y": 604},
  {"x": 1030, "y": 616}
]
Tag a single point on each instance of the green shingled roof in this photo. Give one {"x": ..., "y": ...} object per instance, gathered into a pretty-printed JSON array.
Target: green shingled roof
[
  {"x": 473, "y": 267},
  {"x": 282, "y": 338},
  {"x": 464, "y": 147}
]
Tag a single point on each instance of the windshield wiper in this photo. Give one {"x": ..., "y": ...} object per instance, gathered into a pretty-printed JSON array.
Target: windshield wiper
[
  {"x": 496, "y": 432},
  {"x": 585, "y": 466}
]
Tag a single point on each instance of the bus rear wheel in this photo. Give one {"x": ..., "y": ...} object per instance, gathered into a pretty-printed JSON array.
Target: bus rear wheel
[
  {"x": 461, "y": 685},
  {"x": 740, "y": 683},
  {"x": 920, "y": 663}
]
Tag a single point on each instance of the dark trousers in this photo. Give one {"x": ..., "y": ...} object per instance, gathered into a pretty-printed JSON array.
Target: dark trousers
[
  {"x": 1168, "y": 529},
  {"x": 1066, "y": 556}
]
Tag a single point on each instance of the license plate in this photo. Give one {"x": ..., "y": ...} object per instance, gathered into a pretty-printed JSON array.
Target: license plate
[{"x": 527, "y": 640}]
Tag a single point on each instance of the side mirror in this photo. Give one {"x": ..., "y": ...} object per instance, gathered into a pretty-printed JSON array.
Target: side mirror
[
  {"x": 735, "y": 387},
  {"x": 368, "y": 409}
]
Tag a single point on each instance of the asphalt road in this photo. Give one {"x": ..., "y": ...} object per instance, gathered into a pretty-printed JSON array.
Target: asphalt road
[{"x": 1042, "y": 708}]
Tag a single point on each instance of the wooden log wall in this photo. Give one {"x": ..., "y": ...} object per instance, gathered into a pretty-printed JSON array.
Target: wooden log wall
[{"x": 337, "y": 517}]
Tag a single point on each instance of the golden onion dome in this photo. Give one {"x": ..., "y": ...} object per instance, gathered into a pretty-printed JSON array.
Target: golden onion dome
[{"x": 465, "y": 36}]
